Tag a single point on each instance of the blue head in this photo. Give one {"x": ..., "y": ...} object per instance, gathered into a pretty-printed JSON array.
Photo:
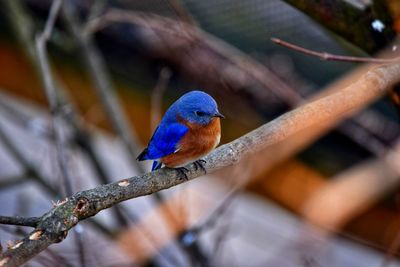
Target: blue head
[{"x": 195, "y": 107}]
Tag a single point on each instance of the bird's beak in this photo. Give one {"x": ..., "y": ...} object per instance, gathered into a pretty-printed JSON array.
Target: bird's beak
[{"x": 219, "y": 115}]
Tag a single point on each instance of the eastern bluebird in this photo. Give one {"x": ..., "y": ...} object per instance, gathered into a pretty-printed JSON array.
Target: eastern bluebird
[{"x": 189, "y": 130}]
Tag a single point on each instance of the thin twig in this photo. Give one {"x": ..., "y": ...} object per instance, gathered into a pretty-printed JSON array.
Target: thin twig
[
  {"x": 33, "y": 172},
  {"x": 103, "y": 85},
  {"x": 49, "y": 87},
  {"x": 181, "y": 11},
  {"x": 81, "y": 136},
  {"x": 328, "y": 56},
  {"x": 251, "y": 73},
  {"x": 97, "y": 7},
  {"x": 56, "y": 108},
  {"x": 21, "y": 158},
  {"x": 22, "y": 221},
  {"x": 156, "y": 97},
  {"x": 13, "y": 180}
]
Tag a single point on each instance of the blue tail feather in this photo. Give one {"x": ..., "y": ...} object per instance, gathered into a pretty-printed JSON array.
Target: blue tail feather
[{"x": 156, "y": 165}]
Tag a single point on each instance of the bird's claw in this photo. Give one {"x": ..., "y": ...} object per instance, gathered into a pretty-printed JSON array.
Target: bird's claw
[
  {"x": 182, "y": 172},
  {"x": 198, "y": 164}
]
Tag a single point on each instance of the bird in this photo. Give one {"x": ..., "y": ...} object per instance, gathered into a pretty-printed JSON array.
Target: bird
[{"x": 188, "y": 131}]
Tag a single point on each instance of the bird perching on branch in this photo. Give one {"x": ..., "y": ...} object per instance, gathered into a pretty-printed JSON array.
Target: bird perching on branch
[{"x": 189, "y": 130}]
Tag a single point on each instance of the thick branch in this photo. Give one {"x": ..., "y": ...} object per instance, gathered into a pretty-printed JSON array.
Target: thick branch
[{"x": 55, "y": 224}]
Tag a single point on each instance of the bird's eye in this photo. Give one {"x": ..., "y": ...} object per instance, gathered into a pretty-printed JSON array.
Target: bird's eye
[{"x": 200, "y": 113}]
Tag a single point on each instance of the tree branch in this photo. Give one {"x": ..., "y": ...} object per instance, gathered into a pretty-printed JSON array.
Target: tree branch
[
  {"x": 54, "y": 225},
  {"x": 180, "y": 43},
  {"x": 101, "y": 79},
  {"x": 31, "y": 221},
  {"x": 328, "y": 56},
  {"x": 51, "y": 94}
]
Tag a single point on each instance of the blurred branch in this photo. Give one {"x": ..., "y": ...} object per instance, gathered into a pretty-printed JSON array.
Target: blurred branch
[
  {"x": 12, "y": 180},
  {"x": 156, "y": 97},
  {"x": 50, "y": 91},
  {"x": 21, "y": 24},
  {"x": 213, "y": 63},
  {"x": 180, "y": 43},
  {"x": 327, "y": 56},
  {"x": 394, "y": 247},
  {"x": 181, "y": 11},
  {"x": 55, "y": 110},
  {"x": 31, "y": 222},
  {"x": 362, "y": 137},
  {"x": 31, "y": 170},
  {"x": 352, "y": 20},
  {"x": 103, "y": 85},
  {"x": 364, "y": 184},
  {"x": 54, "y": 225},
  {"x": 97, "y": 7},
  {"x": 81, "y": 136}
]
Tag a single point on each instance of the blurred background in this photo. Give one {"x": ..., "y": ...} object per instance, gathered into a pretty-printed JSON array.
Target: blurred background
[{"x": 327, "y": 196}]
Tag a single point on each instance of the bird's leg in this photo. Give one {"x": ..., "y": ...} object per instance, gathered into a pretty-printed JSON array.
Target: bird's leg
[
  {"x": 182, "y": 172},
  {"x": 199, "y": 164}
]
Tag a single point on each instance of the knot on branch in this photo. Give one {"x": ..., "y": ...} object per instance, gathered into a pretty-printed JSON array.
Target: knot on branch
[
  {"x": 82, "y": 207},
  {"x": 35, "y": 235}
]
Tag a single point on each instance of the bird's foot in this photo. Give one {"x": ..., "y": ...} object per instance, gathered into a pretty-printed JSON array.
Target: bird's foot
[
  {"x": 198, "y": 164},
  {"x": 182, "y": 172}
]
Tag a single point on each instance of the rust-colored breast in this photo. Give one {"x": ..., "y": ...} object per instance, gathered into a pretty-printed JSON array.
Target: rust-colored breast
[{"x": 196, "y": 143}]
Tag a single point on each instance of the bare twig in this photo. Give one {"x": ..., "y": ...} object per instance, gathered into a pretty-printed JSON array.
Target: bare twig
[
  {"x": 54, "y": 225},
  {"x": 97, "y": 7},
  {"x": 13, "y": 180},
  {"x": 81, "y": 136},
  {"x": 103, "y": 85},
  {"x": 156, "y": 97},
  {"x": 31, "y": 221},
  {"x": 239, "y": 72},
  {"x": 181, "y": 11},
  {"x": 327, "y": 56},
  {"x": 81, "y": 248},
  {"x": 49, "y": 87},
  {"x": 21, "y": 158},
  {"x": 56, "y": 108}
]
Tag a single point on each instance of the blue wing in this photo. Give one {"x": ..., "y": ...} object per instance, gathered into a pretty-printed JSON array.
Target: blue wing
[{"x": 164, "y": 141}]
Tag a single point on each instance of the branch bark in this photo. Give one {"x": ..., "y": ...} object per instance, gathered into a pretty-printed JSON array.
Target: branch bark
[
  {"x": 54, "y": 225},
  {"x": 31, "y": 221}
]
